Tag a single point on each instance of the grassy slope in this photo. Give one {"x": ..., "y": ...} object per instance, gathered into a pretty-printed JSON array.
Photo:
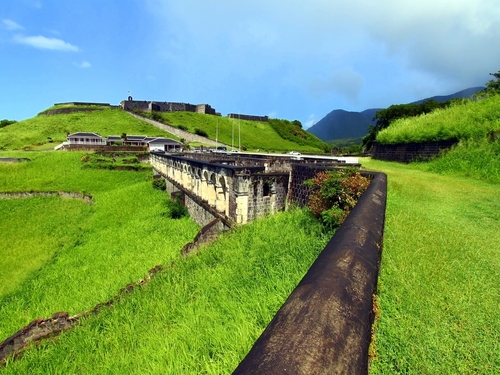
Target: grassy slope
[
  {"x": 466, "y": 120},
  {"x": 32, "y": 134},
  {"x": 439, "y": 285},
  {"x": 34, "y": 131},
  {"x": 202, "y": 316},
  {"x": 65, "y": 255},
  {"x": 254, "y": 134}
]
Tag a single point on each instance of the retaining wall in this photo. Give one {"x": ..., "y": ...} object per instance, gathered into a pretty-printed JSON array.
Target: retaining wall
[
  {"x": 408, "y": 152},
  {"x": 324, "y": 327}
]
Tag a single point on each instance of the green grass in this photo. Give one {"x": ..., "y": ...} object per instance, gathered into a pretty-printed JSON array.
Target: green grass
[
  {"x": 465, "y": 120},
  {"x": 475, "y": 158},
  {"x": 254, "y": 134},
  {"x": 439, "y": 288},
  {"x": 200, "y": 317},
  {"x": 32, "y": 133},
  {"x": 66, "y": 255}
]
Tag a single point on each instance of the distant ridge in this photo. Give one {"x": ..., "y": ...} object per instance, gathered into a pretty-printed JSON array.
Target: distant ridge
[{"x": 341, "y": 124}]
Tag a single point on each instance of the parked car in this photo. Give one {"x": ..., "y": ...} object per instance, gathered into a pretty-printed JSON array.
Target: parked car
[{"x": 294, "y": 153}]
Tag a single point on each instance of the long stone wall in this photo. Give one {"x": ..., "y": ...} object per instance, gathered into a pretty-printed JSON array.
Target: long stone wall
[{"x": 408, "y": 152}]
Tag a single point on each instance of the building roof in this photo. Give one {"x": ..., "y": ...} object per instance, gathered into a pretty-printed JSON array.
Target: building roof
[
  {"x": 135, "y": 137},
  {"x": 83, "y": 134},
  {"x": 164, "y": 141}
]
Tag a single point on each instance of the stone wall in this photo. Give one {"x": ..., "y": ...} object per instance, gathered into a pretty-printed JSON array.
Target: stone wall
[
  {"x": 150, "y": 106},
  {"x": 59, "y": 111},
  {"x": 408, "y": 152},
  {"x": 267, "y": 195},
  {"x": 248, "y": 117},
  {"x": 103, "y": 148}
]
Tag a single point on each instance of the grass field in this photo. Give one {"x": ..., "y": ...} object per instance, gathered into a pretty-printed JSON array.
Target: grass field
[
  {"x": 67, "y": 255},
  {"x": 201, "y": 316},
  {"x": 439, "y": 287}
]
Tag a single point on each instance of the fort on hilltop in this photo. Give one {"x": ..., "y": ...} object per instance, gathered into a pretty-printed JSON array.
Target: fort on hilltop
[{"x": 155, "y": 106}]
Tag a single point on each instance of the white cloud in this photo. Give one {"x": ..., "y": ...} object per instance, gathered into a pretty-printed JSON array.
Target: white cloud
[
  {"x": 312, "y": 120},
  {"x": 83, "y": 64},
  {"x": 42, "y": 42},
  {"x": 11, "y": 25}
]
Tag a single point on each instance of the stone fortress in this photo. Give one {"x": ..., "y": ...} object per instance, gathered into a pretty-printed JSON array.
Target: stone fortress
[{"x": 155, "y": 106}]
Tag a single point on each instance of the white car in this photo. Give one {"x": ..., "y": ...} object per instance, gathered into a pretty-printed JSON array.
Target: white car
[{"x": 294, "y": 153}]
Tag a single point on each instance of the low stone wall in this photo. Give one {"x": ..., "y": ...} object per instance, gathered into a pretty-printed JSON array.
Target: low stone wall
[
  {"x": 63, "y": 194},
  {"x": 408, "y": 152},
  {"x": 324, "y": 327},
  {"x": 41, "y": 329},
  {"x": 60, "y": 111},
  {"x": 103, "y": 148},
  {"x": 207, "y": 234},
  {"x": 13, "y": 160}
]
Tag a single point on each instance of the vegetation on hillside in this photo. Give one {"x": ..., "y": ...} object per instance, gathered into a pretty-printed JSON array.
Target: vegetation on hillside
[
  {"x": 438, "y": 289},
  {"x": 274, "y": 135},
  {"x": 68, "y": 255},
  {"x": 201, "y": 314},
  {"x": 463, "y": 120},
  {"x": 43, "y": 129},
  {"x": 6, "y": 122},
  {"x": 292, "y": 131},
  {"x": 387, "y": 116}
]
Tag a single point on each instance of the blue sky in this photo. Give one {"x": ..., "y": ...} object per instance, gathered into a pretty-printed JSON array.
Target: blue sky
[{"x": 286, "y": 59}]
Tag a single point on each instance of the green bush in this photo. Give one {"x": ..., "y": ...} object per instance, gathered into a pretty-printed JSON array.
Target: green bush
[
  {"x": 183, "y": 127},
  {"x": 159, "y": 184},
  {"x": 200, "y": 132},
  {"x": 176, "y": 210}
]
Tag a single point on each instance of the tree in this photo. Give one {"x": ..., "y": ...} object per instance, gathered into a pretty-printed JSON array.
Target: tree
[
  {"x": 493, "y": 85},
  {"x": 6, "y": 122}
]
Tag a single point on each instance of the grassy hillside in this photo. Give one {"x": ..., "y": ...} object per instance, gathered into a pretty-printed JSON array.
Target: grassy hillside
[
  {"x": 275, "y": 135},
  {"x": 200, "y": 316},
  {"x": 463, "y": 120},
  {"x": 34, "y": 132},
  {"x": 67, "y": 255}
]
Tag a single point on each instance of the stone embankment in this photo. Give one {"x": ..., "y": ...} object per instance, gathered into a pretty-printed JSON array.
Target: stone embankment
[
  {"x": 40, "y": 329},
  {"x": 30, "y": 194}
]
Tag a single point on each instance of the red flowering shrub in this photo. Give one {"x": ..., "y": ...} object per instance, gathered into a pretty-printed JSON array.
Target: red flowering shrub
[{"x": 335, "y": 193}]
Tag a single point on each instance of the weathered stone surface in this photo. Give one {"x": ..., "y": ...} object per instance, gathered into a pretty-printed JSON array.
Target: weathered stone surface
[{"x": 408, "y": 152}]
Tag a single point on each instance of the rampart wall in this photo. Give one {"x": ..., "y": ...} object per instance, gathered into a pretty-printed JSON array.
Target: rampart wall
[
  {"x": 248, "y": 117},
  {"x": 408, "y": 152},
  {"x": 150, "y": 106}
]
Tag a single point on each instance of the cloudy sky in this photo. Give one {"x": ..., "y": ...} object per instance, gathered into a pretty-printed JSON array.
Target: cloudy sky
[{"x": 283, "y": 58}]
